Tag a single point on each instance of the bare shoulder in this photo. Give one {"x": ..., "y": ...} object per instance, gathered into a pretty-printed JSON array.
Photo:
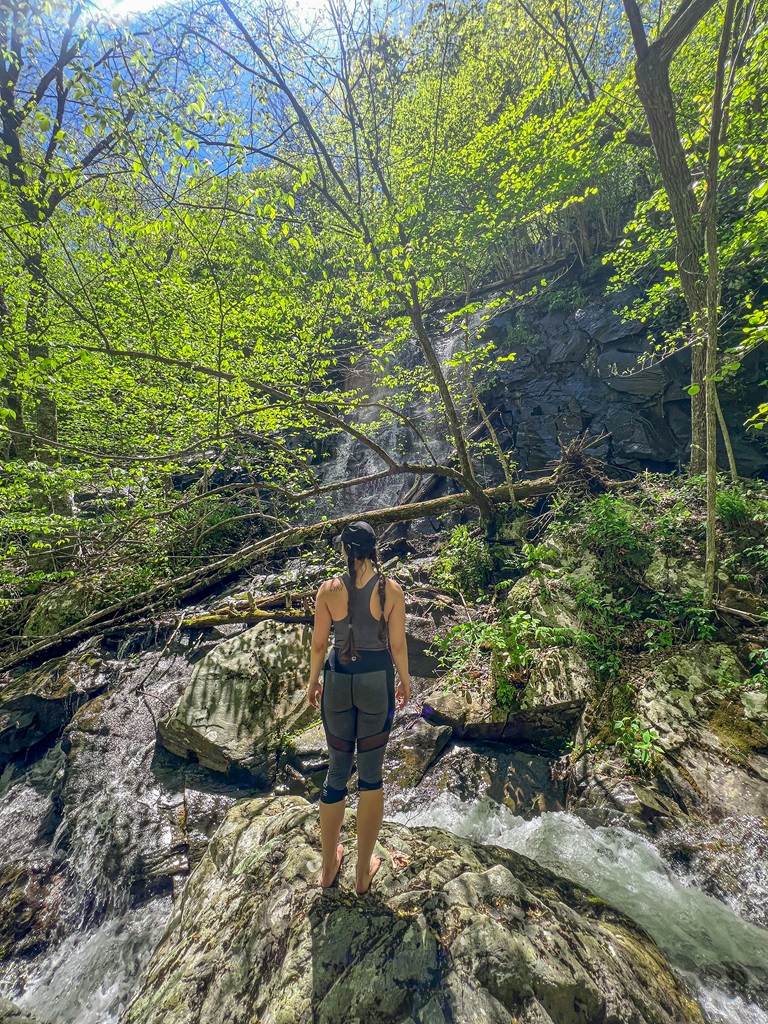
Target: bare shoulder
[
  {"x": 395, "y": 591},
  {"x": 329, "y": 587}
]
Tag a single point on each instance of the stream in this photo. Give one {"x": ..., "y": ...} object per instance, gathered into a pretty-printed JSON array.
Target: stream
[
  {"x": 704, "y": 940},
  {"x": 105, "y": 826},
  {"x": 89, "y": 977}
]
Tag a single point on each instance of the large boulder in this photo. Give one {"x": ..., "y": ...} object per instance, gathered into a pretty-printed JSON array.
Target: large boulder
[
  {"x": 36, "y": 704},
  {"x": 456, "y": 932},
  {"x": 303, "y": 762},
  {"x": 244, "y": 698},
  {"x": 548, "y": 700},
  {"x": 413, "y": 747}
]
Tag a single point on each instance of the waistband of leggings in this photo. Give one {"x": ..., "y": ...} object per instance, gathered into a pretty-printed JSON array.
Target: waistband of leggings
[{"x": 366, "y": 661}]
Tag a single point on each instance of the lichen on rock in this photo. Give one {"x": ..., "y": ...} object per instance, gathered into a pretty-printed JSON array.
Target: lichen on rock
[
  {"x": 461, "y": 932},
  {"x": 244, "y": 698}
]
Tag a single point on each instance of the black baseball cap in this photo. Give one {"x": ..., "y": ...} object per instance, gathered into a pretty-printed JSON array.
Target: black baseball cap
[{"x": 360, "y": 537}]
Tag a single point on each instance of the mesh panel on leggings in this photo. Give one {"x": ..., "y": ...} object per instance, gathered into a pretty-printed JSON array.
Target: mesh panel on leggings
[
  {"x": 339, "y": 744},
  {"x": 373, "y": 742}
]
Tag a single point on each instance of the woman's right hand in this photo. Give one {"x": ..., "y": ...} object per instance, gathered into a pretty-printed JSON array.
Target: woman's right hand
[
  {"x": 314, "y": 692},
  {"x": 402, "y": 692}
]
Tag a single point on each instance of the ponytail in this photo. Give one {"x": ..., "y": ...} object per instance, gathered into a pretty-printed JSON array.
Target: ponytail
[
  {"x": 349, "y": 651},
  {"x": 383, "y": 628}
]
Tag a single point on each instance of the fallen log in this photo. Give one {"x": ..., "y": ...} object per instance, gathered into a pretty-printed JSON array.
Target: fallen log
[
  {"x": 201, "y": 579},
  {"x": 232, "y": 616}
]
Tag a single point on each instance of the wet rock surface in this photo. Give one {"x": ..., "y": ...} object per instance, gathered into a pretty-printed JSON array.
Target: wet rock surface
[
  {"x": 727, "y": 859},
  {"x": 101, "y": 821},
  {"x": 457, "y": 932},
  {"x": 524, "y": 783},
  {"x": 36, "y": 704},
  {"x": 472, "y": 714}
]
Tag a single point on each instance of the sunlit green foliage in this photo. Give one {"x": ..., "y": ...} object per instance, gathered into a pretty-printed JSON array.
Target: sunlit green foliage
[{"x": 194, "y": 308}]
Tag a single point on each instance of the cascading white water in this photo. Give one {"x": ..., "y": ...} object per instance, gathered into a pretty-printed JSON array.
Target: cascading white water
[
  {"x": 702, "y": 938},
  {"x": 89, "y": 977},
  {"x": 352, "y": 459}
]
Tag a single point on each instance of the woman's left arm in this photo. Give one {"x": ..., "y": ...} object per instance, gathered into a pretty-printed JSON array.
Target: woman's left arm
[{"x": 320, "y": 634}]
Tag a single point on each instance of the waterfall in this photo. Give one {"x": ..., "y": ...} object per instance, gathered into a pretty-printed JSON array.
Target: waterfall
[
  {"x": 91, "y": 975},
  {"x": 352, "y": 459}
]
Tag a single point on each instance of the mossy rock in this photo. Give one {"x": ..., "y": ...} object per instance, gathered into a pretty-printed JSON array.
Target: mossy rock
[
  {"x": 244, "y": 698},
  {"x": 678, "y": 692},
  {"x": 30, "y": 899},
  {"x": 455, "y": 932},
  {"x": 734, "y": 730},
  {"x": 57, "y": 609}
]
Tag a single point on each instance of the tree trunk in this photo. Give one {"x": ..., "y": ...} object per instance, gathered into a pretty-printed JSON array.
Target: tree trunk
[
  {"x": 658, "y": 100},
  {"x": 709, "y": 216},
  {"x": 469, "y": 480},
  {"x": 727, "y": 441},
  {"x": 659, "y": 105},
  {"x": 18, "y": 443},
  {"x": 46, "y": 413}
]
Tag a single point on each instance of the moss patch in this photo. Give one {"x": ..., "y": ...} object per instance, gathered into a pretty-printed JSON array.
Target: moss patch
[{"x": 729, "y": 725}]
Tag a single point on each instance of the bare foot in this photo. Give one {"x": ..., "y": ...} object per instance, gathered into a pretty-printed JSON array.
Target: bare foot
[
  {"x": 363, "y": 884},
  {"x": 327, "y": 878}
]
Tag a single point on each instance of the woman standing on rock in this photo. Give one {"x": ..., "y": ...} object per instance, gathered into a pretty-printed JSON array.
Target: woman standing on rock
[{"x": 357, "y": 695}]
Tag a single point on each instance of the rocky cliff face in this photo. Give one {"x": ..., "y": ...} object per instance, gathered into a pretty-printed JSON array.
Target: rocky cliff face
[{"x": 579, "y": 370}]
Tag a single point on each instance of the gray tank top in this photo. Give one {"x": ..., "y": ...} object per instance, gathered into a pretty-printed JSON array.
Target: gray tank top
[{"x": 365, "y": 627}]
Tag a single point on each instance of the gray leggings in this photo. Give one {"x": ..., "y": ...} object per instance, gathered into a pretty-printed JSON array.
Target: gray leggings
[{"x": 357, "y": 707}]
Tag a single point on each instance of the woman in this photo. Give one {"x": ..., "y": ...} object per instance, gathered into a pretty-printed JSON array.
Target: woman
[{"x": 357, "y": 696}]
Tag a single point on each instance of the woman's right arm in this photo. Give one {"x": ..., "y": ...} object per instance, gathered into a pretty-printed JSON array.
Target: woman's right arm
[
  {"x": 397, "y": 644},
  {"x": 320, "y": 634}
]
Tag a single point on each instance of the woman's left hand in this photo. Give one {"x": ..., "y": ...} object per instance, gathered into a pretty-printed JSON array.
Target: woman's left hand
[{"x": 314, "y": 692}]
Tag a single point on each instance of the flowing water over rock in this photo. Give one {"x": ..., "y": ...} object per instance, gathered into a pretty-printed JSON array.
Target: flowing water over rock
[
  {"x": 89, "y": 978},
  {"x": 395, "y": 433},
  {"x": 728, "y": 859},
  {"x": 93, "y": 838},
  {"x": 725, "y": 956},
  {"x": 98, "y": 831}
]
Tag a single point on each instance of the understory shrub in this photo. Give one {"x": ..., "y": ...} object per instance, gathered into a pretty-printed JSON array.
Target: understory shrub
[
  {"x": 638, "y": 744},
  {"x": 613, "y": 533},
  {"x": 464, "y": 565}
]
